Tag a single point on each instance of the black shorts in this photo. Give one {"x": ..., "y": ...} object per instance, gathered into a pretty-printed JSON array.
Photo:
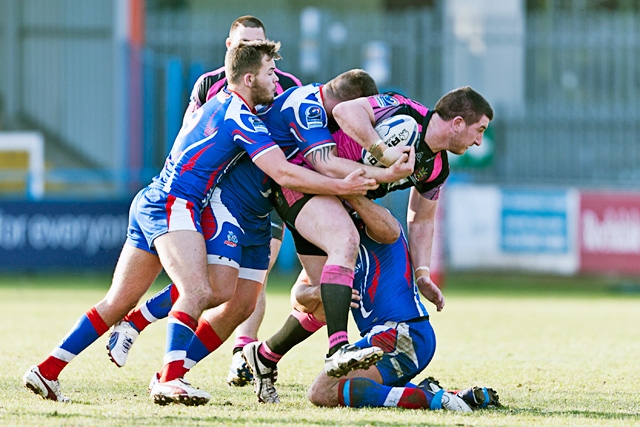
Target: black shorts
[
  {"x": 277, "y": 226},
  {"x": 288, "y": 204}
]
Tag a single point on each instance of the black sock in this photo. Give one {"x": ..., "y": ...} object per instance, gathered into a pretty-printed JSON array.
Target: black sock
[
  {"x": 336, "y": 300},
  {"x": 290, "y": 334}
]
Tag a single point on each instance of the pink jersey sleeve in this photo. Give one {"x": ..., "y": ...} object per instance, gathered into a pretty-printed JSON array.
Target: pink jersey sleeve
[{"x": 347, "y": 147}]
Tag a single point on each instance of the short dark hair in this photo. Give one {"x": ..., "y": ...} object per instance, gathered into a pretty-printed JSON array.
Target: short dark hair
[
  {"x": 246, "y": 57},
  {"x": 351, "y": 84},
  {"x": 466, "y": 103},
  {"x": 247, "y": 21}
]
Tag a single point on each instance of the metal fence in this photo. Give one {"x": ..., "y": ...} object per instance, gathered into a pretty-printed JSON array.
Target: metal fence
[{"x": 578, "y": 124}]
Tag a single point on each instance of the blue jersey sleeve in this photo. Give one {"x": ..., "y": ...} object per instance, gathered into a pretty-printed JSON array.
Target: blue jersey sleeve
[{"x": 298, "y": 121}]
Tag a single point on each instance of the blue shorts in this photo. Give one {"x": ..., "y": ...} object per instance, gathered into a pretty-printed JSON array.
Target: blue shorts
[
  {"x": 408, "y": 349},
  {"x": 233, "y": 237},
  {"x": 154, "y": 213}
]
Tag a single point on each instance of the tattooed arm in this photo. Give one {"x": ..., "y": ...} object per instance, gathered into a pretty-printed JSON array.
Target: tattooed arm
[{"x": 326, "y": 161}]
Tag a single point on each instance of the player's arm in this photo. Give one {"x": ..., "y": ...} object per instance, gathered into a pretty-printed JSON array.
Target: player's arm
[
  {"x": 326, "y": 161},
  {"x": 381, "y": 225},
  {"x": 357, "y": 119},
  {"x": 421, "y": 215},
  {"x": 274, "y": 164}
]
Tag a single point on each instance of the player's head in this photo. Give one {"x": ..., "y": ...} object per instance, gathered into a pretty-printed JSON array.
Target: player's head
[
  {"x": 251, "y": 65},
  {"x": 468, "y": 114},
  {"x": 466, "y": 103},
  {"x": 245, "y": 28},
  {"x": 351, "y": 84}
]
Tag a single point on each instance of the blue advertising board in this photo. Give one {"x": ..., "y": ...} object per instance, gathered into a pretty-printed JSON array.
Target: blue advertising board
[
  {"x": 61, "y": 235},
  {"x": 534, "y": 221}
]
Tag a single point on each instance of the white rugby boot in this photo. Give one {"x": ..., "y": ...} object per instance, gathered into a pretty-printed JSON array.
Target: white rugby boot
[
  {"x": 350, "y": 357},
  {"x": 263, "y": 376},
  {"x": 34, "y": 381},
  {"x": 178, "y": 391},
  {"x": 121, "y": 338}
]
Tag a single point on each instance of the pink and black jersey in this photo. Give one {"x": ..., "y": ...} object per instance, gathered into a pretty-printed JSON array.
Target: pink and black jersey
[
  {"x": 209, "y": 84},
  {"x": 431, "y": 169},
  {"x": 298, "y": 122},
  {"x": 210, "y": 142}
]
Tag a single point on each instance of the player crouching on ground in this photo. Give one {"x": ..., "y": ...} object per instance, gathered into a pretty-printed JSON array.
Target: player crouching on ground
[{"x": 389, "y": 314}]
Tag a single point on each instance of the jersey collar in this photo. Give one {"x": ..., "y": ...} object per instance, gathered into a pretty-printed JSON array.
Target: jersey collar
[{"x": 226, "y": 89}]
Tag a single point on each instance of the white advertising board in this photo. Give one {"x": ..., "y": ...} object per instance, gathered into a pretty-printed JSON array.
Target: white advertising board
[{"x": 489, "y": 227}]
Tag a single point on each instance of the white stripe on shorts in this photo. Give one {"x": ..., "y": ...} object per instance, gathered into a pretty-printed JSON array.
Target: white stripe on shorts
[
  {"x": 180, "y": 217},
  {"x": 252, "y": 274}
]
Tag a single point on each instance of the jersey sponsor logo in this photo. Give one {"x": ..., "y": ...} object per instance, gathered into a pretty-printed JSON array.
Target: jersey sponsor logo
[
  {"x": 385, "y": 100},
  {"x": 232, "y": 239},
  {"x": 314, "y": 117},
  {"x": 308, "y": 110},
  {"x": 258, "y": 125}
]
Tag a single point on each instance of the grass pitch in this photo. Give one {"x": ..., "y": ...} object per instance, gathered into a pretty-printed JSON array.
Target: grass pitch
[{"x": 560, "y": 352}]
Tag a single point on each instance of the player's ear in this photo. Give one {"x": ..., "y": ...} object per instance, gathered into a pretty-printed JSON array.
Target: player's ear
[
  {"x": 228, "y": 42},
  {"x": 458, "y": 123},
  {"x": 248, "y": 79}
]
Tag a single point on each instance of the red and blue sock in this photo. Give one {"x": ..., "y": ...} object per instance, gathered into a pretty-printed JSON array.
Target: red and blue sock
[
  {"x": 180, "y": 332},
  {"x": 88, "y": 328},
  {"x": 361, "y": 392},
  {"x": 155, "y": 308}
]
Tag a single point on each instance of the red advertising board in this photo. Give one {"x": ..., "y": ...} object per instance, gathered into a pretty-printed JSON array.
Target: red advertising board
[{"x": 609, "y": 233}]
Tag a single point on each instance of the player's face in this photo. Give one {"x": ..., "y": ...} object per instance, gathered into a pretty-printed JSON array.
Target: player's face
[
  {"x": 468, "y": 136},
  {"x": 264, "y": 83},
  {"x": 245, "y": 34}
]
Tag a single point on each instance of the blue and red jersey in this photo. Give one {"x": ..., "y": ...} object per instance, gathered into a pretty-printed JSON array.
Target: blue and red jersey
[
  {"x": 298, "y": 121},
  {"x": 212, "y": 139},
  {"x": 384, "y": 278}
]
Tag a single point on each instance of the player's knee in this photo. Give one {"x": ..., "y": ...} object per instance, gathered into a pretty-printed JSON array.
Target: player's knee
[
  {"x": 202, "y": 298},
  {"x": 320, "y": 394},
  {"x": 245, "y": 310},
  {"x": 218, "y": 298},
  {"x": 351, "y": 243},
  {"x": 314, "y": 396},
  {"x": 116, "y": 307},
  {"x": 222, "y": 295}
]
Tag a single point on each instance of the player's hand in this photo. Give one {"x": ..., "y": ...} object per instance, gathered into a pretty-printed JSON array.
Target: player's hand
[
  {"x": 355, "y": 299},
  {"x": 357, "y": 184},
  {"x": 403, "y": 167},
  {"x": 393, "y": 154},
  {"x": 430, "y": 291}
]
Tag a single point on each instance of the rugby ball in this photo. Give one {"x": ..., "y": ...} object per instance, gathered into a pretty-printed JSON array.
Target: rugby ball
[{"x": 395, "y": 130}]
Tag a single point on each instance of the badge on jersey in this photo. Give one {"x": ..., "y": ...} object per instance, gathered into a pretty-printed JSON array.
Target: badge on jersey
[
  {"x": 232, "y": 239},
  {"x": 385, "y": 100},
  {"x": 258, "y": 125},
  {"x": 313, "y": 116}
]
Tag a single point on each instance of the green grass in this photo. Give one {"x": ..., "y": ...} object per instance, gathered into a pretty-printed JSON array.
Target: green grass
[{"x": 560, "y": 352}]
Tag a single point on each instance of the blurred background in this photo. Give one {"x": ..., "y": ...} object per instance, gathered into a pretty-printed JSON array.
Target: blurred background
[{"x": 92, "y": 94}]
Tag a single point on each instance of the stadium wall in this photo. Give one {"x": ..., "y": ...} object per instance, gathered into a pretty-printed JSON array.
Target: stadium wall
[{"x": 62, "y": 235}]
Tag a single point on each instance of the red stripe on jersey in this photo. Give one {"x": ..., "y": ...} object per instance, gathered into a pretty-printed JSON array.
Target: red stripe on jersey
[
  {"x": 374, "y": 283},
  {"x": 193, "y": 160}
]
